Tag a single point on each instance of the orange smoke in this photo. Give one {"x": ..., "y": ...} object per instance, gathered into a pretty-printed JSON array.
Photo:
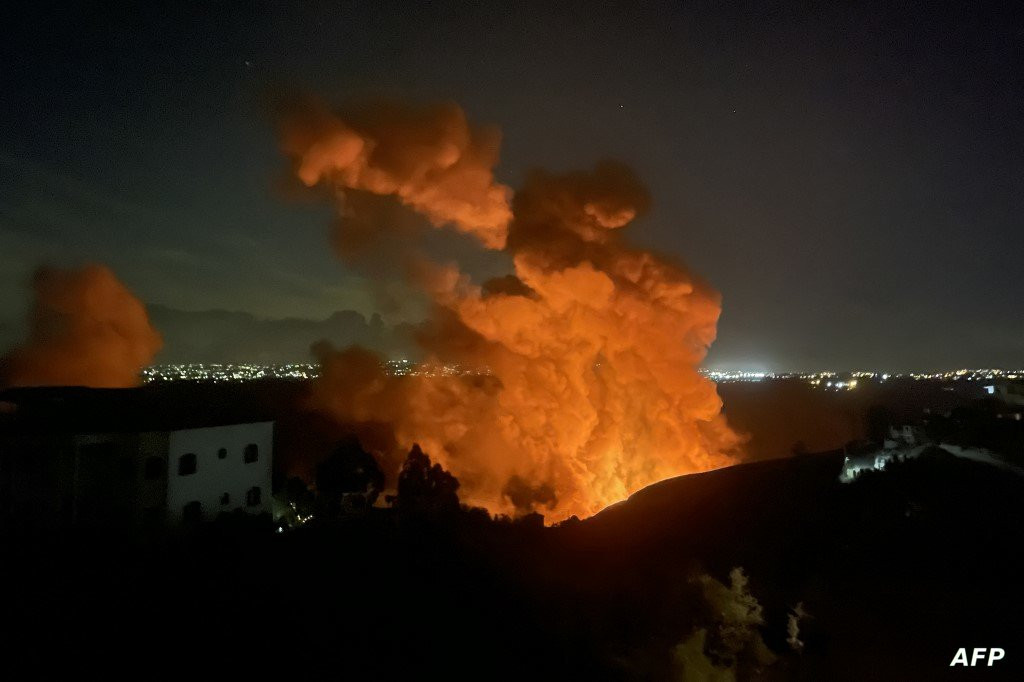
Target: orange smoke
[
  {"x": 591, "y": 350},
  {"x": 85, "y": 329},
  {"x": 430, "y": 159}
]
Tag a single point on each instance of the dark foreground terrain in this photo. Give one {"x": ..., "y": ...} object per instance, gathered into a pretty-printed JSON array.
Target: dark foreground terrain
[{"x": 894, "y": 572}]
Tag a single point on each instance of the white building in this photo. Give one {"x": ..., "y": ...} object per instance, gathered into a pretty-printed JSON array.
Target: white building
[
  {"x": 120, "y": 461},
  {"x": 230, "y": 469},
  {"x": 879, "y": 460},
  {"x": 1010, "y": 392},
  {"x": 174, "y": 476}
]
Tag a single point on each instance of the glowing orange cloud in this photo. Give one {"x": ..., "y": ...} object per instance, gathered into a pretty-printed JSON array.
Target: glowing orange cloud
[
  {"x": 588, "y": 352},
  {"x": 85, "y": 329},
  {"x": 431, "y": 159}
]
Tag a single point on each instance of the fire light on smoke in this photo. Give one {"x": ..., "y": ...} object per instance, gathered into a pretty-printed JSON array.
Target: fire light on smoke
[
  {"x": 431, "y": 159},
  {"x": 592, "y": 346},
  {"x": 85, "y": 329}
]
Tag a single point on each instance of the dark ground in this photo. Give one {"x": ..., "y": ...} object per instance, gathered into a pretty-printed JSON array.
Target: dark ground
[{"x": 897, "y": 570}]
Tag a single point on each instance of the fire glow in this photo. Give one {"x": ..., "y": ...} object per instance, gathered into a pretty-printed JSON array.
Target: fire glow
[
  {"x": 85, "y": 329},
  {"x": 592, "y": 346}
]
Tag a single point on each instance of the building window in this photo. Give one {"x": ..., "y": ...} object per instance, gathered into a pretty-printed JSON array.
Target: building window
[
  {"x": 187, "y": 464},
  {"x": 253, "y": 496},
  {"x": 155, "y": 468},
  {"x": 222, "y": 453},
  {"x": 192, "y": 512},
  {"x": 252, "y": 453},
  {"x": 225, "y": 499}
]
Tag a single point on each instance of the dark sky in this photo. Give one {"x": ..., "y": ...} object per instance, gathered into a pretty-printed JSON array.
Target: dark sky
[{"x": 851, "y": 179}]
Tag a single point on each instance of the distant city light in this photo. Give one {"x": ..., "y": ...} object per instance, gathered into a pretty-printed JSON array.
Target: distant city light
[
  {"x": 826, "y": 379},
  {"x": 847, "y": 381},
  {"x": 234, "y": 373}
]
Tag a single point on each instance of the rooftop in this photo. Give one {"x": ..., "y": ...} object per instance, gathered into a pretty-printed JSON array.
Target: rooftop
[{"x": 142, "y": 409}]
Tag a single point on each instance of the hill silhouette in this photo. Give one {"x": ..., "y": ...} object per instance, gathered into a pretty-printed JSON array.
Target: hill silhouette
[{"x": 769, "y": 570}]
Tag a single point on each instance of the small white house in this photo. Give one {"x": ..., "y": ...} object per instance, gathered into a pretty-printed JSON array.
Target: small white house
[
  {"x": 1010, "y": 392},
  {"x": 220, "y": 468},
  {"x": 128, "y": 458},
  {"x": 879, "y": 460},
  {"x": 175, "y": 476}
]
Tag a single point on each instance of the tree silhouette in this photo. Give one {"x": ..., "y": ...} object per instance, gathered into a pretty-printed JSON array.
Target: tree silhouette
[
  {"x": 425, "y": 488},
  {"x": 299, "y": 497},
  {"x": 350, "y": 473},
  {"x": 876, "y": 423}
]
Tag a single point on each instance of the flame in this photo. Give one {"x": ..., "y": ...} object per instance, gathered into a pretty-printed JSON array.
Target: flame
[{"x": 591, "y": 346}]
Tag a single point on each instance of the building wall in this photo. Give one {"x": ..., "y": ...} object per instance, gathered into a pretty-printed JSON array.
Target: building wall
[
  {"x": 215, "y": 475},
  {"x": 36, "y": 474},
  {"x": 105, "y": 480},
  {"x": 152, "y": 488},
  {"x": 1011, "y": 393}
]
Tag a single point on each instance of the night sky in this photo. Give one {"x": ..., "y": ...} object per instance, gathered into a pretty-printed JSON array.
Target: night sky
[{"x": 851, "y": 179}]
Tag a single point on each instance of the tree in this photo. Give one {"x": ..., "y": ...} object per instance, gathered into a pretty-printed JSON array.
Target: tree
[
  {"x": 349, "y": 473},
  {"x": 425, "y": 488},
  {"x": 876, "y": 423},
  {"x": 298, "y": 497}
]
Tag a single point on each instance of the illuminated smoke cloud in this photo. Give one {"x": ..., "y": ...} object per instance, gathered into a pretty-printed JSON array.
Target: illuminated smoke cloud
[
  {"x": 85, "y": 329},
  {"x": 587, "y": 389},
  {"x": 430, "y": 159}
]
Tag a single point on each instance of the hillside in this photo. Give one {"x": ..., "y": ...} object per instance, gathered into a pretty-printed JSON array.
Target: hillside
[{"x": 897, "y": 569}]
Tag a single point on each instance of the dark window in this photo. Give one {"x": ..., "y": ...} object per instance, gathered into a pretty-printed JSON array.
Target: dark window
[
  {"x": 155, "y": 468},
  {"x": 187, "y": 464},
  {"x": 253, "y": 496},
  {"x": 225, "y": 499},
  {"x": 252, "y": 453},
  {"x": 222, "y": 453},
  {"x": 192, "y": 512}
]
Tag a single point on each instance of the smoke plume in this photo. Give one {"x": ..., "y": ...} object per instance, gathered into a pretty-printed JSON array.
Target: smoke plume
[
  {"x": 430, "y": 159},
  {"x": 85, "y": 329},
  {"x": 581, "y": 384}
]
